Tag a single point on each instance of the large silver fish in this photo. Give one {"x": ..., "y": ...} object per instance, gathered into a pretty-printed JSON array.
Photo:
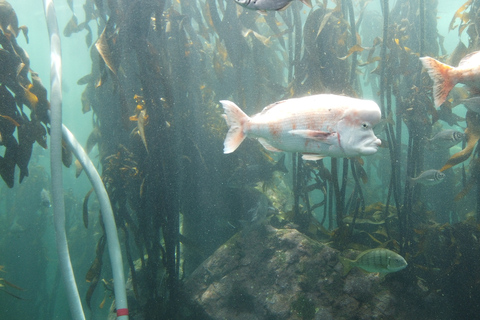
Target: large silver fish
[
  {"x": 445, "y": 77},
  {"x": 375, "y": 260},
  {"x": 317, "y": 126},
  {"x": 265, "y": 5}
]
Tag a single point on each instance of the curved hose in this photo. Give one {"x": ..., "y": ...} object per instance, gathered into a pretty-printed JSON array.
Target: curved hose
[
  {"x": 108, "y": 221},
  {"x": 56, "y": 131},
  {"x": 56, "y": 163}
]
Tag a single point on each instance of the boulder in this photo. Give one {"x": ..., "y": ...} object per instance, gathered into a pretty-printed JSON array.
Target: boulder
[{"x": 271, "y": 273}]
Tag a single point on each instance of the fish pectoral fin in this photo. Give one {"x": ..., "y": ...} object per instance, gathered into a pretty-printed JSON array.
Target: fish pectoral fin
[
  {"x": 317, "y": 135},
  {"x": 268, "y": 146},
  {"x": 312, "y": 156}
]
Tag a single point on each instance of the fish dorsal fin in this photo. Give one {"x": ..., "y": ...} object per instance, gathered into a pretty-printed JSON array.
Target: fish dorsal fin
[
  {"x": 270, "y": 106},
  {"x": 268, "y": 146},
  {"x": 467, "y": 61},
  {"x": 312, "y": 156}
]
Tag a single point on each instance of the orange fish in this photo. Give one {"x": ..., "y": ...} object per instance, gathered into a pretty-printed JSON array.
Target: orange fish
[
  {"x": 445, "y": 77},
  {"x": 323, "y": 125}
]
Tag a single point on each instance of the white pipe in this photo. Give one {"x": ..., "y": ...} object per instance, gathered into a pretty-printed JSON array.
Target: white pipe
[
  {"x": 56, "y": 163},
  {"x": 57, "y": 185},
  {"x": 108, "y": 221}
]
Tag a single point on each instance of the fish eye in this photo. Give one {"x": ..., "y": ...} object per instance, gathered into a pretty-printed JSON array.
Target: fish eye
[{"x": 365, "y": 125}]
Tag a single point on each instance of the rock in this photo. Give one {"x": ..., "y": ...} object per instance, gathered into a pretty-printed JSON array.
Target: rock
[{"x": 282, "y": 274}]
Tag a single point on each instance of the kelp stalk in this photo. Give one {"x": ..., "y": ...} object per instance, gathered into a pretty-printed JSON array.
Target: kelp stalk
[
  {"x": 339, "y": 202},
  {"x": 353, "y": 32},
  {"x": 385, "y": 95},
  {"x": 56, "y": 162}
]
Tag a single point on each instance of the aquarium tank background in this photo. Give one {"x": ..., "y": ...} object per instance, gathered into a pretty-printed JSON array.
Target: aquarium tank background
[{"x": 252, "y": 234}]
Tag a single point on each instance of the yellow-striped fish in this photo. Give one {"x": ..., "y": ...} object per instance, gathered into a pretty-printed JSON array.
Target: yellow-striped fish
[{"x": 378, "y": 260}]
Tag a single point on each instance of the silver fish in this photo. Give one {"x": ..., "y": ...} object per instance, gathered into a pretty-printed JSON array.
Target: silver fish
[
  {"x": 429, "y": 177},
  {"x": 142, "y": 117},
  {"x": 376, "y": 260},
  {"x": 472, "y": 104},
  {"x": 318, "y": 126},
  {"x": 257, "y": 216},
  {"x": 266, "y": 5},
  {"x": 445, "y": 139}
]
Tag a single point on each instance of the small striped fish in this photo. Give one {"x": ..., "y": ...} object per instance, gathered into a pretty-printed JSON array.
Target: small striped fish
[
  {"x": 445, "y": 139},
  {"x": 445, "y": 77},
  {"x": 323, "y": 125},
  {"x": 375, "y": 260},
  {"x": 429, "y": 177}
]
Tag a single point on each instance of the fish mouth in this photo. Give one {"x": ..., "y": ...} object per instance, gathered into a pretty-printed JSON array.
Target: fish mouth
[{"x": 372, "y": 147}]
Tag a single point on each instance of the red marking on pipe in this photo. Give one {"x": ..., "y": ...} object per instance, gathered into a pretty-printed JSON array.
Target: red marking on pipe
[{"x": 122, "y": 312}]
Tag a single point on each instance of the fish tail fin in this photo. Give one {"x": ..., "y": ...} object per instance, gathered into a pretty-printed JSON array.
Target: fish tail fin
[
  {"x": 347, "y": 264},
  {"x": 280, "y": 165},
  {"x": 442, "y": 78},
  {"x": 235, "y": 118}
]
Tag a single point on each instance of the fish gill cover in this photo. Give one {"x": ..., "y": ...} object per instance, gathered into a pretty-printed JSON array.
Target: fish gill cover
[{"x": 158, "y": 72}]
